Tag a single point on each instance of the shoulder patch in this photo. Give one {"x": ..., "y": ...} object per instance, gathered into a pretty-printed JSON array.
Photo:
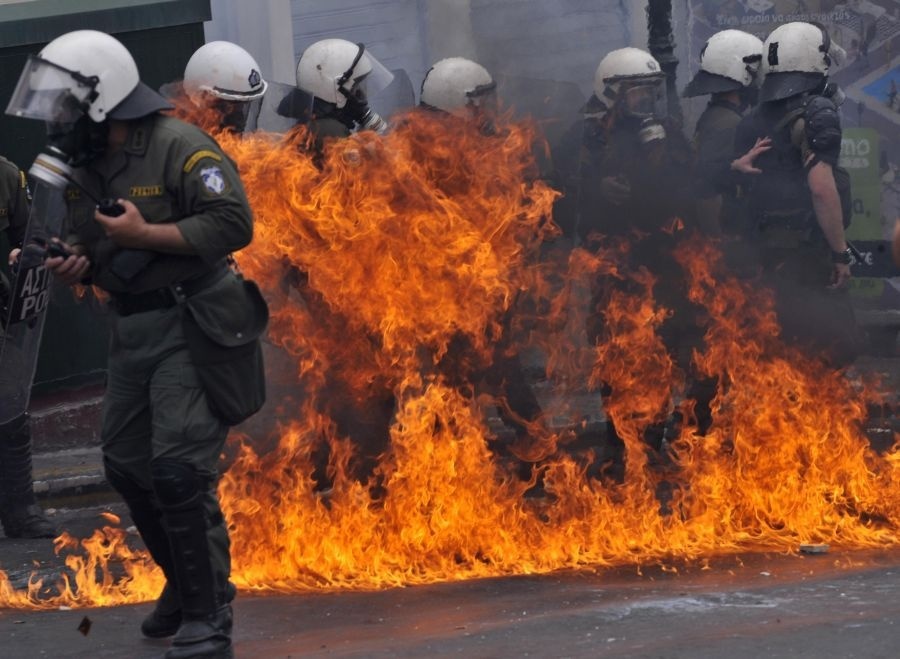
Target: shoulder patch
[
  {"x": 213, "y": 179},
  {"x": 200, "y": 155},
  {"x": 23, "y": 182}
]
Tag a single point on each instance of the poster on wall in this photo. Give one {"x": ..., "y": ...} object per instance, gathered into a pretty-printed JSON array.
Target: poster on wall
[{"x": 866, "y": 35}]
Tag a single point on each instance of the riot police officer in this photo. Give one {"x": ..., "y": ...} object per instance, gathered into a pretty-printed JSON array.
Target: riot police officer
[
  {"x": 225, "y": 77},
  {"x": 460, "y": 90},
  {"x": 341, "y": 77},
  {"x": 800, "y": 201},
  {"x": 20, "y": 514},
  {"x": 636, "y": 185},
  {"x": 337, "y": 77},
  {"x": 179, "y": 200},
  {"x": 729, "y": 63},
  {"x": 635, "y": 162}
]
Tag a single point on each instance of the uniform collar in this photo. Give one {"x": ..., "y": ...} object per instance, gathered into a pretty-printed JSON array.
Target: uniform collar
[{"x": 139, "y": 135}]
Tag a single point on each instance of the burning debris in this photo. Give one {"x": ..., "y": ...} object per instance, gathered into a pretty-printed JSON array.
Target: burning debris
[
  {"x": 391, "y": 251},
  {"x": 85, "y": 626}
]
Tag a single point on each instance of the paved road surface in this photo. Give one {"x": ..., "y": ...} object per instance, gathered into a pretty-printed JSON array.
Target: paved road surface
[{"x": 758, "y": 605}]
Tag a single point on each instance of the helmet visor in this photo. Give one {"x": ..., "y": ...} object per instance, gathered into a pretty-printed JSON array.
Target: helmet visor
[
  {"x": 50, "y": 93},
  {"x": 373, "y": 82},
  {"x": 644, "y": 99},
  {"x": 365, "y": 78}
]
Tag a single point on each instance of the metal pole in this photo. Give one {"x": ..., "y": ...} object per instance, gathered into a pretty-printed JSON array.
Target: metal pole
[{"x": 661, "y": 43}]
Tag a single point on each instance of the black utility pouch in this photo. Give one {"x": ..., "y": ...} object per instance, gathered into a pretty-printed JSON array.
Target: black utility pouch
[{"x": 223, "y": 326}]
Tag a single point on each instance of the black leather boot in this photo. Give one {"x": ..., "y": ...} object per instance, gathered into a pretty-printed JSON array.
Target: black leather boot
[
  {"x": 145, "y": 512},
  {"x": 206, "y": 616},
  {"x": 19, "y": 512},
  {"x": 165, "y": 619}
]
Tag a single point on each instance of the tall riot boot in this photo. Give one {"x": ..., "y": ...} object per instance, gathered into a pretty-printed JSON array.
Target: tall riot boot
[
  {"x": 19, "y": 512},
  {"x": 165, "y": 618},
  {"x": 205, "y": 609}
]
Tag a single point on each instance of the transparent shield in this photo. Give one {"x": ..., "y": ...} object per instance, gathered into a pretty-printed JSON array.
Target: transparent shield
[
  {"x": 283, "y": 107},
  {"x": 398, "y": 96},
  {"x": 30, "y": 296}
]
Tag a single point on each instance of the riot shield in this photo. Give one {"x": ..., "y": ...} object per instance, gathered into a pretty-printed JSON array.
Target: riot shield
[
  {"x": 30, "y": 295},
  {"x": 396, "y": 97},
  {"x": 283, "y": 107}
]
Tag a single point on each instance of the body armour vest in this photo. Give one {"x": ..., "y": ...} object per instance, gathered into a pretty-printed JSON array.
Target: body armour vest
[{"x": 780, "y": 193}]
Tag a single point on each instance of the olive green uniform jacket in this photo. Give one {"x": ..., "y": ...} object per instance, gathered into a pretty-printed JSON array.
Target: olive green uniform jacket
[{"x": 173, "y": 172}]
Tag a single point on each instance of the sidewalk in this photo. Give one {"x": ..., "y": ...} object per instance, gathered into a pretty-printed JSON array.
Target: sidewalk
[{"x": 68, "y": 466}]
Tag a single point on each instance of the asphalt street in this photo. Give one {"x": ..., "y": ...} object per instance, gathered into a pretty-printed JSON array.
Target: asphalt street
[
  {"x": 749, "y": 606},
  {"x": 839, "y": 604}
]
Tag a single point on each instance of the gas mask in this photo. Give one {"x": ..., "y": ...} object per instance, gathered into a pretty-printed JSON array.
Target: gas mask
[
  {"x": 78, "y": 142},
  {"x": 651, "y": 130},
  {"x": 833, "y": 91},
  {"x": 357, "y": 107},
  {"x": 483, "y": 107},
  {"x": 640, "y": 106},
  {"x": 642, "y": 99}
]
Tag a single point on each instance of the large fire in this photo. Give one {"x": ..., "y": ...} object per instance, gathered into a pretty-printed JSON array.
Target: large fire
[{"x": 383, "y": 257}]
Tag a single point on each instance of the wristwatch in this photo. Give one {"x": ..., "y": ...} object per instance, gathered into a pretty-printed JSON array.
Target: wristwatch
[{"x": 845, "y": 257}]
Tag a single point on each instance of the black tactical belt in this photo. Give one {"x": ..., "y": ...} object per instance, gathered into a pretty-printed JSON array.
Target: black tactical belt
[{"x": 126, "y": 304}]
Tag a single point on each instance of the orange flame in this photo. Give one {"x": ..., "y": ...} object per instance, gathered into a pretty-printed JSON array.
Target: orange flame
[{"x": 400, "y": 245}]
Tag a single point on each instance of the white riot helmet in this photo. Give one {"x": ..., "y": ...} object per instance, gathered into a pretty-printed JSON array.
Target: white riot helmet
[
  {"x": 83, "y": 73},
  {"x": 335, "y": 69},
  {"x": 729, "y": 61},
  {"x": 795, "y": 60},
  {"x": 224, "y": 70},
  {"x": 632, "y": 80},
  {"x": 455, "y": 84}
]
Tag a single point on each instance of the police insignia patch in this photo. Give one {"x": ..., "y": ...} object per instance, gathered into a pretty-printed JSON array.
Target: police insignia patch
[{"x": 213, "y": 180}]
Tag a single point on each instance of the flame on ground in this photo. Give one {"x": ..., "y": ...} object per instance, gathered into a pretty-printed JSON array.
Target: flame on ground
[{"x": 394, "y": 267}]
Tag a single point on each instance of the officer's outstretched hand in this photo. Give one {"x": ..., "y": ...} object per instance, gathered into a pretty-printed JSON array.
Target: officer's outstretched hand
[
  {"x": 129, "y": 229},
  {"x": 69, "y": 270},
  {"x": 744, "y": 164},
  {"x": 615, "y": 190},
  {"x": 840, "y": 275}
]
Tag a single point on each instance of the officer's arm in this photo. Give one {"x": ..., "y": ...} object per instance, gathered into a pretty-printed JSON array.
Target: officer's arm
[
  {"x": 218, "y": 220},
  {"x": 818, "y": 135},
  {"x": 827, "y": 204},
  {"x": 131, "y": 229},
  {"x": 167, "y": 238},
  {"x": 712, "y": 177}
]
